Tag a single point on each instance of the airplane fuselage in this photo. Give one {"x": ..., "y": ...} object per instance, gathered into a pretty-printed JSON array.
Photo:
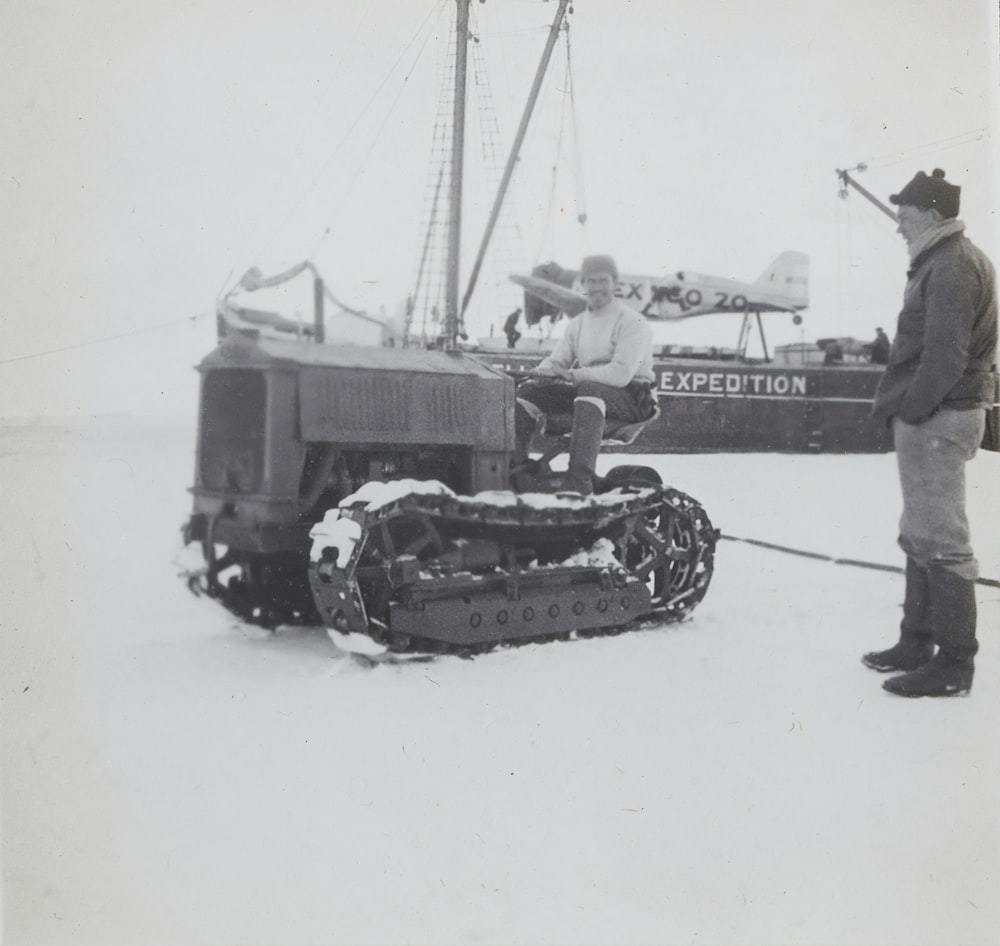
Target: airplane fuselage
[
  {"x": 783, "y": 286},
  {"x": 686, "y": 296}
]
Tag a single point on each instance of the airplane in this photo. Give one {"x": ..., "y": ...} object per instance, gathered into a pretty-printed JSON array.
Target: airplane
[{"x": 782, "y": 287}]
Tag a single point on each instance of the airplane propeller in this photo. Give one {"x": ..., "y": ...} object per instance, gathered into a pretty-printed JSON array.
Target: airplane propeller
[{"x": 566, "y": 300}]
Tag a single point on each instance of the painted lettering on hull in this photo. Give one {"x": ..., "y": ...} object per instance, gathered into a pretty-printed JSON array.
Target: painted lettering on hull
[{"x": 722, "y": 383}]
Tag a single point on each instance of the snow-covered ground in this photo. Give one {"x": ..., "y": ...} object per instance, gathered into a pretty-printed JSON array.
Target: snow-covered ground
[{"x": 169, "y": 777}]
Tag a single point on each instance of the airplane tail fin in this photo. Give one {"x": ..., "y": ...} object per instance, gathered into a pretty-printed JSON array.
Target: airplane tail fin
[{"x": 786, "y": 280}]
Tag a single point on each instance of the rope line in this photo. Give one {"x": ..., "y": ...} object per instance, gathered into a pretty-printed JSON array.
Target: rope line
[
  {"x": 107, "y": 338},
  {"x": 855, "y": 562}
]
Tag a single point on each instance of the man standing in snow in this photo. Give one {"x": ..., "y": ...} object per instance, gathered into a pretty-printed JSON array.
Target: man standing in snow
[
  {"x": 602, "y": 367},
  {"x": 935, "y": 391}
]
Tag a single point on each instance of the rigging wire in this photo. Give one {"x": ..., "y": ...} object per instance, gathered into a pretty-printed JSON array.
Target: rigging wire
[
  {"x": 930, "y": 147},
  {"x": 191, "y": 319},
  {"x": 890, "y": 159},
  {"x": 489, "y": 128},
  {"x": 427, "y": 241},
  {"x": 347, "y": 134},
  {"x": 844, "y": 233},
  {"x": 306, "y": 126},
  {"x": 581, "y": 196},
  {"x": 553, "y": 186},
  {"x": 108, "y": 338},
  {"x": 564, "y": 109},
  {"x": 507, "y": 234},
  {"x": 363, "y": 163},
  {"x": 426, "y": 299}
]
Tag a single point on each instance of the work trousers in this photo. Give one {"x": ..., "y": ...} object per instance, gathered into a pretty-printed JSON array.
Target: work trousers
[
  {"x": 557, "y": 396},
  {"x": 934, "y": 527}
]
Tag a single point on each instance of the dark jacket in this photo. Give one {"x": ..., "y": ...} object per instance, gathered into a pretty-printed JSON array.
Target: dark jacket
[
  {"x": 880, "y": 349},
  {"x": 944, "y": 353}
]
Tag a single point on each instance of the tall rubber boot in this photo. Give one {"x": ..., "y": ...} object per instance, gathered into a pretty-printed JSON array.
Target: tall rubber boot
[
  {"x": 953, "y": 622},
  {"x": 585, "y": 444},
  {"x": 915, "y": 645}
]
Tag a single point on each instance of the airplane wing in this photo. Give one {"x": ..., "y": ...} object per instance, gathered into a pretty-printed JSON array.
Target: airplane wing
[
  {"x": 258, "y": 323},
  {"x": 566, "y": 300}
]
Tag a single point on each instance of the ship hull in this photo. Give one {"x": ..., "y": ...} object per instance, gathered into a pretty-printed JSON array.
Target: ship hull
[{"x": 709, "y": 406}]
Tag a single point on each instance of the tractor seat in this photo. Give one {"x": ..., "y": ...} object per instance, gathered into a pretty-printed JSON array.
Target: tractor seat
[
  {"x": 617, "y": 433},
  {"x": 622, "y": 433}
]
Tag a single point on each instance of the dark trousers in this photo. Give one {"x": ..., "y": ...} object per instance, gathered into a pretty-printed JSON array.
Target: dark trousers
[{"x": 554, "y": 398}]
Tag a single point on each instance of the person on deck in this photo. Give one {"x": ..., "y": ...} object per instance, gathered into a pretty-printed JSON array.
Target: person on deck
[
  {"x": 880, "y": 348},
  {"x": 510, "y": 328},
  {"x": 935, "y": 392},
  {"x": 601, "y": 368}
]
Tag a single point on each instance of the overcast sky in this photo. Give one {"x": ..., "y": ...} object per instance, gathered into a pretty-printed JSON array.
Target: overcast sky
[{"x": 152, "y": 152}]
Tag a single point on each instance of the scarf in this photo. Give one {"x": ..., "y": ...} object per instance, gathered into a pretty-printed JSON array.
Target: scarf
[{"x": 933, "y": 235}]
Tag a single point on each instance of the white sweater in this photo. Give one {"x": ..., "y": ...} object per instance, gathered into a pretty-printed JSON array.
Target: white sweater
[{"x": 612, "y": 345}]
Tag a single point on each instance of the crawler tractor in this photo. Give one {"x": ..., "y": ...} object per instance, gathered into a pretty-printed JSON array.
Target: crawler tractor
[{"x": 374, "y": 490}]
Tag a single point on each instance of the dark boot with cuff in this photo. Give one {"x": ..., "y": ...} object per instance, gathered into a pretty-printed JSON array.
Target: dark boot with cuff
[
  {"x": 915, "y": 645},
  {"x": 953, "y": 622}
]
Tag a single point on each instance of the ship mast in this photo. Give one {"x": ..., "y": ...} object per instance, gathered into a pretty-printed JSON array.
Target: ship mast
[
  {"x": 515, "y": 150},
  {"x": 452, "y": 312},
  {"x": 455, "y": 185}
]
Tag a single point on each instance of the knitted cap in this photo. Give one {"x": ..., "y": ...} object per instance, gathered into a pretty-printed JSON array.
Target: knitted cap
[
  {"x": 927, "y": 192},
  {"x": 592, "y": 265}
]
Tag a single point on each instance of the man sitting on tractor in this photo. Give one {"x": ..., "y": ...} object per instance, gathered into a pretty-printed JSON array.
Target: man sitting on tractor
[{"x": 601, "y": 368}]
